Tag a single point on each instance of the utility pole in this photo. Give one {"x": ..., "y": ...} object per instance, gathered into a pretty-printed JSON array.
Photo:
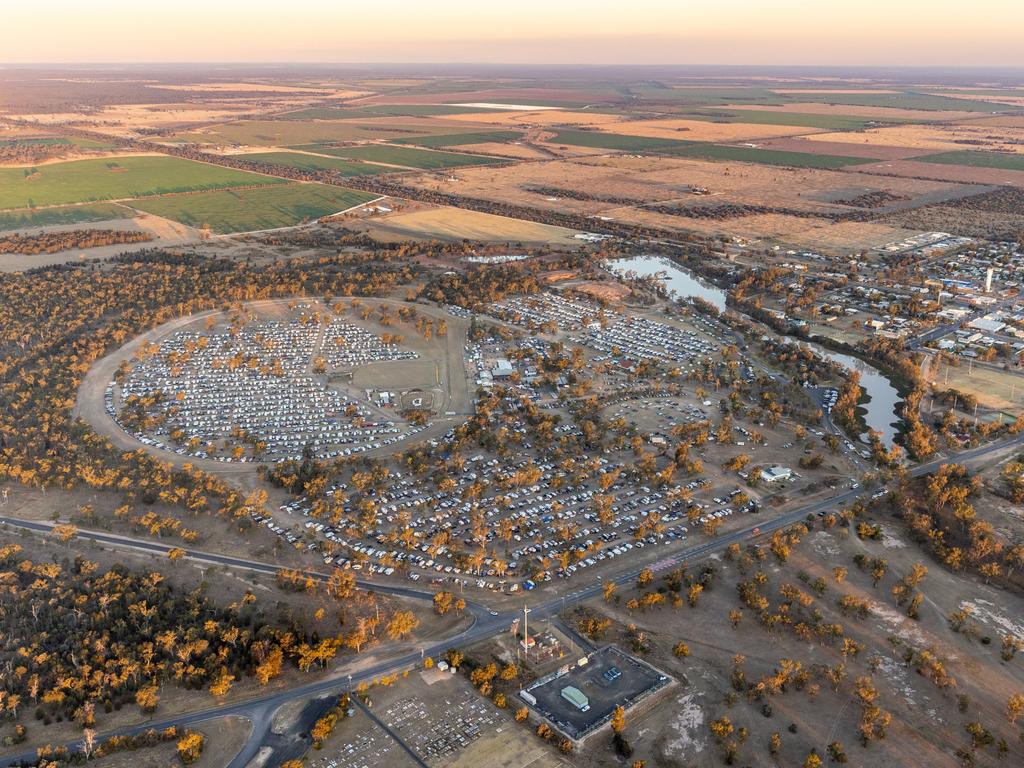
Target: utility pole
[{"x": 526, "y": 632}]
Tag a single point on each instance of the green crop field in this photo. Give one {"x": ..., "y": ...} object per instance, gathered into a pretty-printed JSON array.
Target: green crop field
[
  {"x": 316, "y": 163},
  {"x": 245, "y": 210},
  {"x": 459, "y": 139},
  {"x": 409, "y": 157},
  {"x": 902, "y": 100},
  {"x": 59, "y": 141},
  {"x": 798, "y": 119},
  {"x": 767, "y": 156},
  {"x": 1005, "y": 161},
  {"x": 289, "y": 133},
  {"x": 601, "y": 140},
  {"x": 80, "y": 181},
  {"x": 383, "y": 110},
  {"x": 72, "y": 214},
  {"x": 707, "y": 96}
]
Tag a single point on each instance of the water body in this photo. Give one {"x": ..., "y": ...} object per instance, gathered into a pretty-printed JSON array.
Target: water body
[
  {"x": 677, "y": 280},
  {"x": 883, "y": 397},
  {"x": 880, "y": 409}
]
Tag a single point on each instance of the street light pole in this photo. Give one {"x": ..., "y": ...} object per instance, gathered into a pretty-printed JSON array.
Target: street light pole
[{"x": 526, "y": 631}]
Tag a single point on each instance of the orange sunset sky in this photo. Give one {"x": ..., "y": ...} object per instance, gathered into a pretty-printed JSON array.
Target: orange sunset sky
[{"x": 868, "y": 32}]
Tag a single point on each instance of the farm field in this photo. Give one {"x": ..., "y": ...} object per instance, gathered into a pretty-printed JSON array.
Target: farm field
[
  {"x": 881, "y": 114},
  {"x": 79, "y": 181},
  {"x": 456, "y": 224},
  {"x": 384, "y": 110},
  {"x": 769, "y": 156},
  {"x": 409, "y": 157},
  {"x": 614, "y": 141},
  {"x": 795, "y": 119},
  {"x": 697, "y": 130},
  {"x": 976, "y": 159},
  {"x": 81, "y": 143},
  {"x": 664, "y": 179},
  {"x": 843, "y": 148},
  {"x": 934, "y": 137},
  {"x": 458, "y": 139},
  {"x": 542, "y": 117},
  {"x": 289, "y": 133},
  {"x": 228, "y": 211},
  {"x": 316, "y": 163},
  {"x": 72, "y": 214},
  {"x": 965, "y": 174},
  {"x": 901, "y": 100}
]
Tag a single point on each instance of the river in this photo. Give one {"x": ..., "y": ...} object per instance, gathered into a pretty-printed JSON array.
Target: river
[{"x": 879, "y": 410}]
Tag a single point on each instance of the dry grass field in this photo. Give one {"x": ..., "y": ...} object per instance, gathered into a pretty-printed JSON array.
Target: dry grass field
[
  {"x": 962, "y": 174},
  {"x": 700, "y": 130},
  {"x": 649, "y": 179},
  {"x": 458, "y": 224},
  {"x": 542, "y": 117},
  {"x": 285, "y": 133},
  {"x": 994, "y": 389},
  {"x": 934, "y": 137},
  {"x": 846, "y": 148},
  {"x": 874, "y": 113}
]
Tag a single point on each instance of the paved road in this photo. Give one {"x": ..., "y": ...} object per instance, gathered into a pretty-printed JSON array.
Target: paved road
[{"x": 485, "y": 622}]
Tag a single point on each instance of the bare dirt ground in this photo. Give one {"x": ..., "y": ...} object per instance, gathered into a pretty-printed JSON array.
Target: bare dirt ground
[
  {"x": 927, "y": 725},
  {"x": 224, "y": 739}
]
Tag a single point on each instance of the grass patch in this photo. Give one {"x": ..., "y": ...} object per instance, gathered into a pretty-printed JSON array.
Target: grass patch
[
  {"x": 601, "y": 140},
  {"x": 290, "y": 133},
  {"x": 74, "y": 214},
  {"x": 797, "y": 119},
  {"x": 315, "y": 163},
  {"x": 409, "y": 157},
  {"x": 768, "y": 156},
  {"x": 458, "y": 139},
  {"x": 230, "y": 211},
  {"x": 1006, "y": 161},
  {"x": 59, "y": 141},
  {"x": 80, "y": 181}
]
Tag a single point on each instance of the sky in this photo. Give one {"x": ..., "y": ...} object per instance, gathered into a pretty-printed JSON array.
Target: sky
[{"x": 780, "y": 32}]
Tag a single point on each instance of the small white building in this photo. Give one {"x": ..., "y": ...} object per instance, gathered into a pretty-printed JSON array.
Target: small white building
[{"x": 776, "y": 474}]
